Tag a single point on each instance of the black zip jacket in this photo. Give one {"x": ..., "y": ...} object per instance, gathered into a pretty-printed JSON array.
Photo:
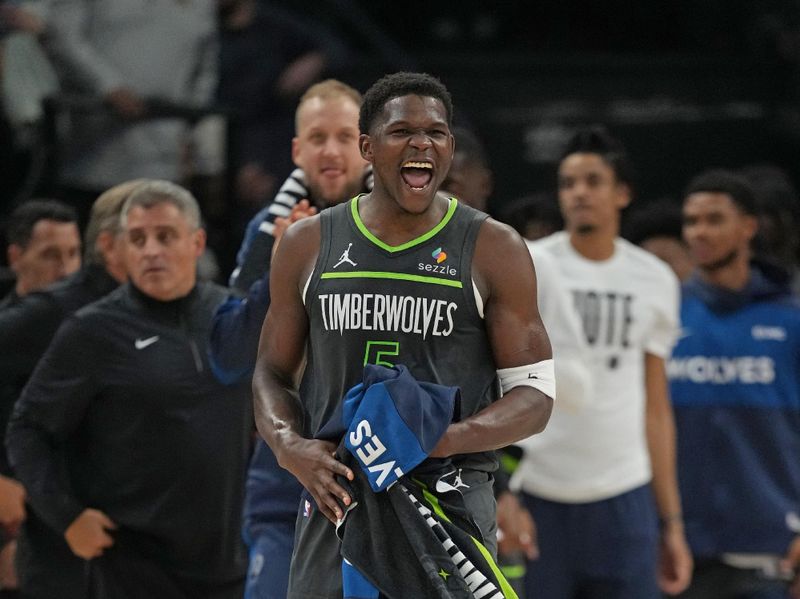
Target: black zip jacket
[
  {"x": 28, "y": 324},
  {"x": 126, "y": 398},
  {"x": 45, "y": 565}
]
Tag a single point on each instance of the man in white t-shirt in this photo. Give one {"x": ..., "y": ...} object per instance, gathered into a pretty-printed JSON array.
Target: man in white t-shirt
[{"x": 591, "y": 477}]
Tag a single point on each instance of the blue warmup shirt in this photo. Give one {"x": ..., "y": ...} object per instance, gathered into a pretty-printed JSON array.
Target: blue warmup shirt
[
  {"x": 735, "y": 386},
  {"x": 235, "y": 333}
]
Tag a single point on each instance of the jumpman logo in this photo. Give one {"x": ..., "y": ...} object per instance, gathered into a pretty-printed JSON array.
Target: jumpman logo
[
  {"x": 458, "y": 483},
  {"x": 345, "y": 257}
]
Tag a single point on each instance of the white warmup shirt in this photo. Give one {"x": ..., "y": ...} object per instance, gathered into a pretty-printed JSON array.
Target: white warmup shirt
[
  {"x": 628, "y": 306},
  {"x": 570, "y": 351}
]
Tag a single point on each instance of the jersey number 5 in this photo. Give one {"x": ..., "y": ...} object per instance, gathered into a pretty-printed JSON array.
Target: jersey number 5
[{"x": 376, "y": 351}]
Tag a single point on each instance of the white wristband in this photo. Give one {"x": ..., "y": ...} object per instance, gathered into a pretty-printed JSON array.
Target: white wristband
[{"x": 540, "y": 376}]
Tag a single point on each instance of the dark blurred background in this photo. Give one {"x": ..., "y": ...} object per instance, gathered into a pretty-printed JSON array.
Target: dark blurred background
[{"x": 686, "y": 85}]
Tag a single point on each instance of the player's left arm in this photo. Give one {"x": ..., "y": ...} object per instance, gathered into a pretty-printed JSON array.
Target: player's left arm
[
  {"x": 503, "y": 271},
  {"x": 675, "y": 567}
]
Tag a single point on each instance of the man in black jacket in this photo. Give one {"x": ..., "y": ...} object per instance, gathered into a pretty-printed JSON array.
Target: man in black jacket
[
  {"x": 43, "y": 246},
  {"x": 155, "y": 449},
  {"x": 46, "y": 567}
]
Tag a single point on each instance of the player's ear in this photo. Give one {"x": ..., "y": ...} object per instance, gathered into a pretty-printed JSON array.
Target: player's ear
[
  {"x": 296, "y": 152},
  {"x": 13, "y": 253},
  {"x": 199, "y": 239},
  {"x": 624, "y": 195},
  {"x": 365, "y": 146}
]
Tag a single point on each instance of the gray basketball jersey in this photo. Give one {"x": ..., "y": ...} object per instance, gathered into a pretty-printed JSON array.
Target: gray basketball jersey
[{"x": 412, "y": 304}]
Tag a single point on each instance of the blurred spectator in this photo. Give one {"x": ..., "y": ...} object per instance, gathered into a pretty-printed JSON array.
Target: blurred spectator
[
  {"x": 43, "y": 246},
  {"x": 598, "y": 479},
  {"x": 735, "y": 383},
  {"x": 470, "y": 177},
  {"x": 330, "y": 170},
  {"x": 131, "y": 371},
  {"x": 26, "y": 77},
  {"x": 268, "y": 58},
  {"x": 778, "y": 211},
  {"x": 46, "y": 567},
  {"x": 471, "y": 181},
  {"x": 533, "y": 216},
  {"x": 657, "y": 228},
  {"x": 131, "y": 56}
]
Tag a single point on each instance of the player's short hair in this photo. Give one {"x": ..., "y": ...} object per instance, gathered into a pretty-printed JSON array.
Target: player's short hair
[
  {"x": 156, "y": 191},
  {"x": 397, "y": 85},
  {"x": 105, "y": 216},
  {"x": 23, "y": 219},
  {"x": 727, "y": 182},
  {"x": 596, "y": 139},
  {"x": 329, "y": 89}
]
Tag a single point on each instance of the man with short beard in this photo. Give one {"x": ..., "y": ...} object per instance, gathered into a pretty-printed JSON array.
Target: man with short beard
[
  {"x": 591, "y": 477},
  {"x": 329, "y": 171},
  {"x": 736, "y": 391}
]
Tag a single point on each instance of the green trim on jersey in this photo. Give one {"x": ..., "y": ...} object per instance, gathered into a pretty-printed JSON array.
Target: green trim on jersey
[
  {"x": 507, "y": 590},
  {"x": 398, "y": 276},
  {"x": 398, "y": 248},
  {"x": 513, "y": 571}
]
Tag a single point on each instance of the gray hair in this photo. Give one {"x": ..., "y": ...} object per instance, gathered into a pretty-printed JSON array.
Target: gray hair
[{"x": 156, "y": 192}]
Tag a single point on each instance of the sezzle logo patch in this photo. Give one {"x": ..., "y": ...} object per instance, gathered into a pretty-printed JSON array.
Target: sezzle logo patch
[{"x": 440, "y": 256}]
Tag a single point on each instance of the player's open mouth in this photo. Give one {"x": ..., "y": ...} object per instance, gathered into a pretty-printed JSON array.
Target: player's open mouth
[{"x": 417, "y": 175}]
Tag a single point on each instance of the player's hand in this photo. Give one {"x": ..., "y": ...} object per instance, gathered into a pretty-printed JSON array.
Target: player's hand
[
  {"x": 675, "y": 560},
  {"x": 126, "y": 103},
  {"x": 300, "y": 74},
  {"x": 8, "y": 574},
  {"x": 516, "y": 526},
  {"x": 88, "y": 535},
  {"x": 12, "y": 505},
  {"x": 303, "y": 209},
  {"x": 311, "y": 461},
  {"x": 791, "y": 565}
]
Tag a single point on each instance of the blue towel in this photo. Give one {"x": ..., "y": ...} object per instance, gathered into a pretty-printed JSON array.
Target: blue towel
[{"x": 393, "y": 422}]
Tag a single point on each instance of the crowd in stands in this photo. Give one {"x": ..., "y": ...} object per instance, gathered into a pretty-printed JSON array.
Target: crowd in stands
[{"x": 194, "y": 136}]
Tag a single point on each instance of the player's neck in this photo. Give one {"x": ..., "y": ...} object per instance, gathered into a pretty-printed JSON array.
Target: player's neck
[
  {"x": 386, "y": 219},
  {"x": 594, "y": 245},
  {"x": 734, "y": 276}
]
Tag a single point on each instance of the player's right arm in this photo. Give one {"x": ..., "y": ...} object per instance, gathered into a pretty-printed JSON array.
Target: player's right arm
[{"x": 281, "y": 353}]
